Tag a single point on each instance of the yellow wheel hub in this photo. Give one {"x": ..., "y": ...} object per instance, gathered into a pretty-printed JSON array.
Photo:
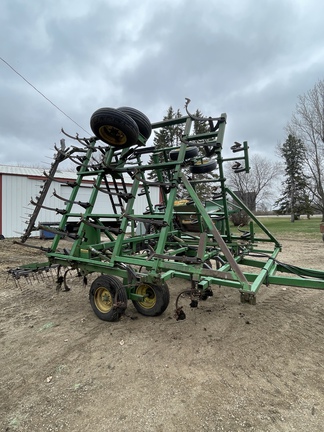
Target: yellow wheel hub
[
  {"x": 112, "y": 135},
  {"x": 150, "y": 297},
  {"x": 201, "y": 162},
  {"x": 103, "y": 300}
]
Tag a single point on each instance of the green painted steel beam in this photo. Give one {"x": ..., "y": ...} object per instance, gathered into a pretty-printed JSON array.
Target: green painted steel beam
[
  {"x": 296, "y": 282},
  {"x": 171, "y": 122},
  {"x": 268, "y": 268},
  {"x": 212, "y": 229},
  {"x": 252, "y": 216}
]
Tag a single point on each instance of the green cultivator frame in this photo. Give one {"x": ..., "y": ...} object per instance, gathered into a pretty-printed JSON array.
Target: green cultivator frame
[{"x": 136, "y": 255}]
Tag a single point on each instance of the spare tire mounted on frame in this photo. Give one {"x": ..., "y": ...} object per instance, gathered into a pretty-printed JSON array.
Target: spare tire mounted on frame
[{"x": 120, "y": 127}]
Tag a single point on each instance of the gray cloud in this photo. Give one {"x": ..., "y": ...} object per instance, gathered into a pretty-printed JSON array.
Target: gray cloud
[{"x": 248, "y": 59}]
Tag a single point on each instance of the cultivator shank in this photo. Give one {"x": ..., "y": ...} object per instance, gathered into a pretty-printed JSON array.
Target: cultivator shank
[{"x": 136, "y": 254}]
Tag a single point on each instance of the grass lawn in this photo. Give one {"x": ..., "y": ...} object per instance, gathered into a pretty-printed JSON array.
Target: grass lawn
[{"x": 281, "y": 227}]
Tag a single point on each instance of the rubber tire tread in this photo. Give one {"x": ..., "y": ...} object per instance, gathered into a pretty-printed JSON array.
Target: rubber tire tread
[
  {"x": 113, "y": 284},
  {"x": 190, "y": 153},
  {"x": 120, "y": 120},
  {"x": 162, "y": 294},
  {"x": 203, "y": 168},
  {"x": 143, "y": 122}
]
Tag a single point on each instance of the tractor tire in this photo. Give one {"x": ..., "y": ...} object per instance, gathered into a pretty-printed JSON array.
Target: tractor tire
[
  {"x": 143, "y": 123},
  {"x": 157, "y": 300},
  {"x": 203, "y": 167},
  {"x": 108, "y": 298},
  {"x": 191, "y": 152},
  {"x": 114, "y": 127}
]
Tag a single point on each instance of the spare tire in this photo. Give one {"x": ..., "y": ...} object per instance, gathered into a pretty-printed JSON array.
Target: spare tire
[
  {"x": 203, "y": 167},
  {"x": 114, "y": 127},
  {"x": 191, "y": 152},
  {"x": 143, "y": 123}
]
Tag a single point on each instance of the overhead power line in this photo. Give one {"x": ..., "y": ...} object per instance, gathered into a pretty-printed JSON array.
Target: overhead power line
[{"x": 48, "y": 100}]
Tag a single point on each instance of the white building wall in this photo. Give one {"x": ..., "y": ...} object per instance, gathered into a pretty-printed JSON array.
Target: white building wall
[
  {"x": 17, "y": 192},
  {"x": 14, "y": 192}
]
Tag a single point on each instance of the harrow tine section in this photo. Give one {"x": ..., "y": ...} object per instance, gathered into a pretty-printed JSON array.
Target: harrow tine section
[
  {"x": 32, "y": 246},
  {"x": 57, "y": 210},
  {"x": 31, "y": 275},
  {"x": 85, "y": 205},
  {"x": 60, "y": 156}
]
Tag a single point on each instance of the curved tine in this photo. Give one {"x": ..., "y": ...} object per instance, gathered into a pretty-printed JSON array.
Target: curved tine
[
  {"x": 200, "y": 119},
  {"x": 84, "y": 141},
  {"x": 68, "y": 135},
  {"x": 78, "y": 163}
]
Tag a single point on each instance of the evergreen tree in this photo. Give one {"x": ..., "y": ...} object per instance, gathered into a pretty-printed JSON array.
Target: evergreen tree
[
  {"x": 200, "y": 127},
  {"x": 166, "y": 137},
  {"x": 170, "y": 136},
  {"x": 295, "y": 198},
  {"x": 205, "y": 191}
]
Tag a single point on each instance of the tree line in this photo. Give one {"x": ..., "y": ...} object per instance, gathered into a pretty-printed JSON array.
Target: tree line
[{"x": 301, "y": 165}]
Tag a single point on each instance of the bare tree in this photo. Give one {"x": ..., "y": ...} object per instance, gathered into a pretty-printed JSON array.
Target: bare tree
[
  {"x": 307, "y": 123},
  {"x": 259, "y": 181}
]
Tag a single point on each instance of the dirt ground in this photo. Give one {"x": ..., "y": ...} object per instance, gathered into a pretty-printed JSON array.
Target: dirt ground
[{"x": 227, "y": 367}]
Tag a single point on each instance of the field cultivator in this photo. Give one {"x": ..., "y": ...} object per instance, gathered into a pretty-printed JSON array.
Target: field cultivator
[{"x": 136, "y": 255}]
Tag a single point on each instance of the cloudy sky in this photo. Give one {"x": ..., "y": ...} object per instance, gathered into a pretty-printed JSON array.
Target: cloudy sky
[{"x": 248, "y": 58}]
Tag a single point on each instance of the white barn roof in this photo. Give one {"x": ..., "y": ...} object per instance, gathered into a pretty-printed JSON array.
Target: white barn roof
[
  {"x": 39, "y": 172},
  {"x": 34, "y": 172}
]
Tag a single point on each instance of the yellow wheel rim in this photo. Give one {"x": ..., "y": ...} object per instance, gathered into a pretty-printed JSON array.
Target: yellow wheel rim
[
  {"x": 181, "y": 202},
  {"x": 112, "y": 135},
  {"x": 103, "y": 300},
  {"x": 202, "y": 162},
  {"x": 150, "y": 297}
]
